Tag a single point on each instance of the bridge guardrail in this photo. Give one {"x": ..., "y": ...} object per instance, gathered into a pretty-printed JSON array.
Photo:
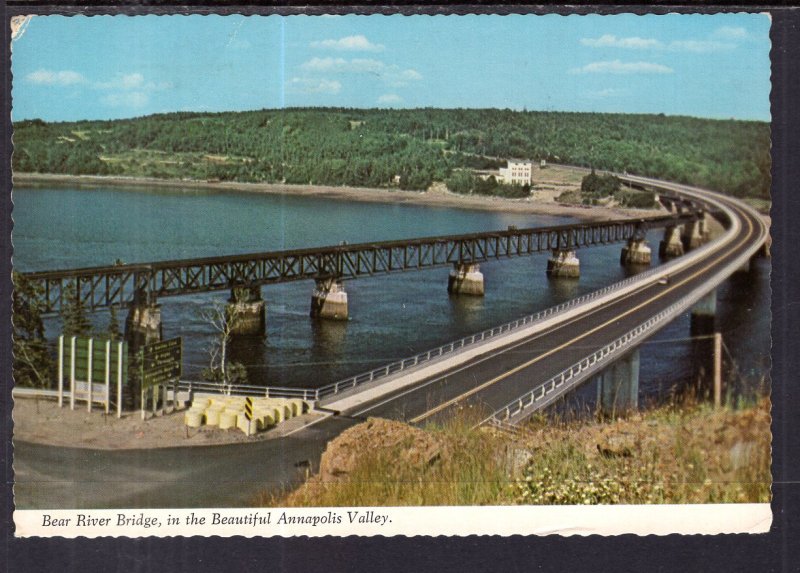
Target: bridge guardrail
[
  {"x": 570, "y": 376},
  {"x": 308, "y": 394}
]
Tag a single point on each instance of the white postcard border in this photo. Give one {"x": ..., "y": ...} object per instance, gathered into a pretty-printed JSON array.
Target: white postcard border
[{"x": 707, "y": 519}]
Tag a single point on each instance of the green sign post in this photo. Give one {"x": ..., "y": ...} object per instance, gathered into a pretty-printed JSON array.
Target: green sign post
[
  {"x": 161, "y": 365},
  {"x": 89, "y": 362},
  {"x": 161, "y": 362}
]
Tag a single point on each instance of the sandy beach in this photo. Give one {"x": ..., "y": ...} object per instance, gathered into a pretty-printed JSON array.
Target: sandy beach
[{"x": 435, "y": 198}]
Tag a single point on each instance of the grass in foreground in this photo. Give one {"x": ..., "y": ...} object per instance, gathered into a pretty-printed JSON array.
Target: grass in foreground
[{"x": 667, "y": 455}]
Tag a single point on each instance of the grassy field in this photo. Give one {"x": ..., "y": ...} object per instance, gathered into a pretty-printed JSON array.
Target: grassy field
[{"x": 672, "y": 454}]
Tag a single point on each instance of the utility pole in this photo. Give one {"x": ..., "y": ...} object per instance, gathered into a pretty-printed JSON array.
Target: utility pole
[{"x": 717, "y": 370}]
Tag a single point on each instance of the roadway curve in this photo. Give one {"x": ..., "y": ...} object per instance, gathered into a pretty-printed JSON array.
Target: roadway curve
[
  {"x": 220, "y": 476},
  {"x": 488, "y": 383}
]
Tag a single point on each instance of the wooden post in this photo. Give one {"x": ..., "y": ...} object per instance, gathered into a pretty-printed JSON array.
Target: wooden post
[
  {"x": 72, "y": 373},
  {"x": 89, "y": 375},
  {"x": 61, "y": 371},
  {"x": 717, "y": 370},
  {"x": 120, "y": 346},
  {"x": 108, "y": 375}
]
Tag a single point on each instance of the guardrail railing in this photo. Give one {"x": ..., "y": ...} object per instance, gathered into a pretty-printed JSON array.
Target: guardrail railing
[
  {"x": 246, "y": 390},
  {"x": 573, "y": 375}
]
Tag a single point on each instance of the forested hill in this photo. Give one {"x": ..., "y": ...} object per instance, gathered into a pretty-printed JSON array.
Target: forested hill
[{"x": 371, "y": 147}]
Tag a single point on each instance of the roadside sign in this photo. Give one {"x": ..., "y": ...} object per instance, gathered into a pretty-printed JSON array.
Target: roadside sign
[
  {"x": 98, "y": 357},
  {"x": 248, "y": 409},
  {"x": 162, "y": 362},
  {"x": 90, "y": 365}
]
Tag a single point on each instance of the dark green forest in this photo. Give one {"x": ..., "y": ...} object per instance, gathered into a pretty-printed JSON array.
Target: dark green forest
[{"x": 408, "y": 149}]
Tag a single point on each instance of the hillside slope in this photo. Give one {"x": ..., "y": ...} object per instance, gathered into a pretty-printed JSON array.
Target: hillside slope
[
  {"x": 668, "y": 455},
  {"x": 405, "y": 148}
]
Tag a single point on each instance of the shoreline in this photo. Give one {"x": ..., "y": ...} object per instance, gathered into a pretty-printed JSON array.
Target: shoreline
[{"x": 362, "y": 194}]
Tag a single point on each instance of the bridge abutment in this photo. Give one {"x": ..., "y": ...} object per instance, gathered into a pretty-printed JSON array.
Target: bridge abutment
[
  {"x": 671, "y": 245},
  {"x": 246, "y": 312},
  {"x": 564, "y": 263},
  {"x": 636, "y": 252},
  {"x": 703, "y": 315},
  {"x": 618, "y": 386},
  {"x": 329, "y": 300},
  {"x": 465, "y": 278}
]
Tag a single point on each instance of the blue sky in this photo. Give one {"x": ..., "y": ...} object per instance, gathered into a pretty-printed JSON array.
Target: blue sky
[{"x": 106, "y": 67}]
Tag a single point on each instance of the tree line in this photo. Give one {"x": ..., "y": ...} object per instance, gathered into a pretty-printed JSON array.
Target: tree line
[{"x": 409, "y": 149}]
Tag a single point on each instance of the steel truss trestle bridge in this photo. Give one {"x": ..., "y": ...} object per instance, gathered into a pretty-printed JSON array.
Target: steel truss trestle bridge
[{"x": 124, "y": 284}]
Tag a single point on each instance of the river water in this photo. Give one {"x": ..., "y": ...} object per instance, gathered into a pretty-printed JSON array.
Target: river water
[{"x": 392, "y": 316}]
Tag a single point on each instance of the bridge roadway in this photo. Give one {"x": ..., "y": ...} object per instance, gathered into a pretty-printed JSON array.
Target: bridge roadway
[{"x": 219, "y": 476}]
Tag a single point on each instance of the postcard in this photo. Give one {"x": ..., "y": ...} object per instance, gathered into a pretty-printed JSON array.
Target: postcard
[{"x": 283, "y": 275}]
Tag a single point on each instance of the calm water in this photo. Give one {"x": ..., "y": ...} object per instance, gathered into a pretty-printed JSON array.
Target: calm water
[{"x": 391, "y": 316}]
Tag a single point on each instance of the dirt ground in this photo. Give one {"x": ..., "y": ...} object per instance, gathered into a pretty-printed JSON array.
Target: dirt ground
[{"x": 42, "y": 421}]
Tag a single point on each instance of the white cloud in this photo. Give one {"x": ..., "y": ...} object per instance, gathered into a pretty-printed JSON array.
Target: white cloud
[
  {"x": 127, "y": 99},
  {"x": 132, "y": 81},
  {"x": 396, "y": 77},
  {"x": 390, "y": 99},
  {"x": 604, "y": 93},
  {"x": 340, "y": 65},
  {"x": 637, "y": 43},
  {"x": 392, "y": 75},
  {"x": 731, "y": 33},
  {"x": 314, "y": 86},
  {"x": 124, "y": 90},
  {"x": 618, "y": 67},
  {"x": 700, "y": 46},
  {"x": 50, "y": 78},
  {"x": 611, "y": 41},
  {"x": 358, "y": 43}
]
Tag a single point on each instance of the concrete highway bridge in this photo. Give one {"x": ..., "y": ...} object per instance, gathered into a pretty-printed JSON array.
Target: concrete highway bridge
[
  {"x": 530, "y": 365},
  {"x": 506, "y": 374}
]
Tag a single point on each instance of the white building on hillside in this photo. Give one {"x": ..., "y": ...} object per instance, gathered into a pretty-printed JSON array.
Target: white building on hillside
[{"x": 519, "y": 172}]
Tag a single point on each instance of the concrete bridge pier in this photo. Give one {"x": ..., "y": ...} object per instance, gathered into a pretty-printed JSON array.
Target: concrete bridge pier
[
  {"x": 143, "y": 324},
  {"x": 671, "y": 245},
  {"x": 668, "y": 204},
  {"x": 694, "y": 234},
  {"x": 466, "y": 278},
  {"x": 703, "y": 315},
  {"x": 618, "y": 386},
  {"x": 745, "y": 268},
  {"x": 563, "y": 263},
  {"x": 246, "y": 312},
  {"x": 636, "y": 252},
  {"x": 766, "y": 249},
  {"x": 329, "y": 300}
]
